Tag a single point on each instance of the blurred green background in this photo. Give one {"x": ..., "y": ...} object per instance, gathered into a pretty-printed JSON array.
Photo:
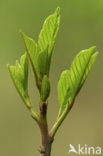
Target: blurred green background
[{"x": 81, "y": 27}]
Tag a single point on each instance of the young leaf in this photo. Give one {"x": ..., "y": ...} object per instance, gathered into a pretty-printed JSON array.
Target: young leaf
[
  {"x": 33, "y": 53},
  {"x": 19, "y": 75},
  {"x": 63, "y": 89},
  {"x": 49, "y": 32},
  {"x": 71, "y": 81},
  {"x": 45, "y": 89},
  {"x": 91, "y": 62},
  {"x": 78, "y": 70}
]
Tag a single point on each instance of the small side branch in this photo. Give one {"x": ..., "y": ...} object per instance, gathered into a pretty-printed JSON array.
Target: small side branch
[{"x": 60, "y": 120}]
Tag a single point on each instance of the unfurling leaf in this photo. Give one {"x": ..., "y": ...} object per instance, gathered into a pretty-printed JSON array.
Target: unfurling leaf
[
  {"x": 91, "y": 62},
  {"x": 45, "y": 88},
  {"x": 63, "y": 89},
  {"x": 19, "y": 75},
  {"x": 33, "y": 53},
  {"x": 72, "y": 80},
  {"x": 49, "y": 31}
]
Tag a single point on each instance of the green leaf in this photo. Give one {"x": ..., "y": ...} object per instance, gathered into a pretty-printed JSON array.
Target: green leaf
[
  {"x": 72, "y": 80},
  {"x": 33, "y": 53},
  {"x": 63, "y": 89},
  {"x": 49, "y": 32},
  {"x": 38, "y": 59},
  {"x": 88, "y": 69},
  {"x": 78, "y": 70},
  {"x": 45, "y": 88},
  {"x": 19, "y": 75}
]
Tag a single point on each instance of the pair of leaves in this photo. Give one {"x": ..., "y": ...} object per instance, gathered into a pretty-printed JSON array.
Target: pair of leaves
[
  {"x": 40, "y": 57},
  {"x": 19, "y": 75},
  {"x": 40, "y": 54},
  {"x": 71, "y": 81}
]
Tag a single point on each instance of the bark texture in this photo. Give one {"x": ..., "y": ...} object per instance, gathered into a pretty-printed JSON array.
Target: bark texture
[{"x": 46, "y": 148}]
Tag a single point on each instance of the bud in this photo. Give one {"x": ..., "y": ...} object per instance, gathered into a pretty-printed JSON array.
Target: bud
[{"x": 45, "y": 88}]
